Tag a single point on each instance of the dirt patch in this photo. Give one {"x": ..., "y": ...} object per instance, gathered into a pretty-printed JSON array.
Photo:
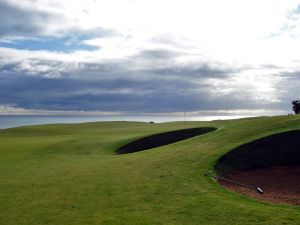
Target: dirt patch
[
  {"x": 281, "y": 184},
  {"x": 162, "y": 139}
]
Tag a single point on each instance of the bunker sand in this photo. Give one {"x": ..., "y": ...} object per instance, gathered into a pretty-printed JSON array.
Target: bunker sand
[{"x": 281, "y": 184}]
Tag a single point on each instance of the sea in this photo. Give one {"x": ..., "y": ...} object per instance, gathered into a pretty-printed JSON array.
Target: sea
[{"x": 10, "y": 121}]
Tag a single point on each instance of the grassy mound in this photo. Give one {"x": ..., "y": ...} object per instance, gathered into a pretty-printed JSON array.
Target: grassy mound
[
  {"x": 70, "y": 174},
  {"x": 275, "y": 150},
  {"x": 158, "y": 140}
]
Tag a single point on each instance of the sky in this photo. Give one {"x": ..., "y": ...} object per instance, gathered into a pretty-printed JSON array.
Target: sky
[{"x": 158, "y": 57}]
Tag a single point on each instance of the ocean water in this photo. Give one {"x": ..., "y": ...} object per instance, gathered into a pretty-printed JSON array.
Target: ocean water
[{"x": 9, "y": 121}]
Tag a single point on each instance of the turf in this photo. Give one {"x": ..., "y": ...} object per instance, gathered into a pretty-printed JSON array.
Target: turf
[{"x": 71, "y": 174}]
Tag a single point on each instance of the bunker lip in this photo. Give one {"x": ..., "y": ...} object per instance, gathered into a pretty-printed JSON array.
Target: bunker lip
[
  {"x": 162, "y": 139},
  {"x": 271, "y": 163}
]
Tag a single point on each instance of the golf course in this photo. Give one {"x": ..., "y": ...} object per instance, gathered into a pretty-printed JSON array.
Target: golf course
[{"x": 123, "y": 173}]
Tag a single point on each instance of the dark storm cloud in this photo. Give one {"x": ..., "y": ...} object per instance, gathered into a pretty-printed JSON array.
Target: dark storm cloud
[
  {"x": 123, "y": 93},
  {"x": 121, "y": 85},
  {"x": 78, "y": 94}
]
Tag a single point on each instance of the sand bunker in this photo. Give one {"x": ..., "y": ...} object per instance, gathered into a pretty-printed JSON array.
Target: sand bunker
[
  {"x": 271, "y": 163},
  {"x": 281, "y": 184},
  {"x": 162, "y": 139}
]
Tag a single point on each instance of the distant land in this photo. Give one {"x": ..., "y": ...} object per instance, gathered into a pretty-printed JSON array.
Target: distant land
[{"x": 9, "y": 121}]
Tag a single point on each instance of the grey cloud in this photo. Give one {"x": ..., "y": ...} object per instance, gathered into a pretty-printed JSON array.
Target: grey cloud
[
  {"x": 162, "y": 62},
  {"x": 73, "y": 70},
  {"x": 20, "y": 22},
  {"x": 290, "y": 76},
  {"x": 17, "y": 21},
  {"x": 115, "y": 86},
  {"x": 288, "y": 88},
  {"x": 121, "y": 69},
  {"x": 118, "y": 94},
  {"x": 157, "y": 54},
  {"x": 269, "y": 66},
  {"x": 154, "y": 58},
  {"x": 200, "y": 71},
  {"x": 75, "y": 94}
]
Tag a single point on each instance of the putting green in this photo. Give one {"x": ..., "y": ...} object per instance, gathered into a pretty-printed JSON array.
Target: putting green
[{"x": 71, "y": 174}]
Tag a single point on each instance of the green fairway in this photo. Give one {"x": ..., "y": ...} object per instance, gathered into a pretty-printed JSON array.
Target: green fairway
[{"x": 71, "y": 174}]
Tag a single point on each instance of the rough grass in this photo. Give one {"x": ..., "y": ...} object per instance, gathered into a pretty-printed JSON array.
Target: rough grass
[{"x": 70, "y": 174}]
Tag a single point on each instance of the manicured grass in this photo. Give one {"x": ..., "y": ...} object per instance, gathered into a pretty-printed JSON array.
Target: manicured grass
[{"x": 70, "y": 174}]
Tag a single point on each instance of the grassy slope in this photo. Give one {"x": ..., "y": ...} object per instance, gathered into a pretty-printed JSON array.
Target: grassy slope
[{"x": 68, "y": 174}]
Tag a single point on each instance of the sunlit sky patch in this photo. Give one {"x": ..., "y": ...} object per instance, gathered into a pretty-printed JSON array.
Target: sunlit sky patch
[{"x": 140, "y": 56}]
